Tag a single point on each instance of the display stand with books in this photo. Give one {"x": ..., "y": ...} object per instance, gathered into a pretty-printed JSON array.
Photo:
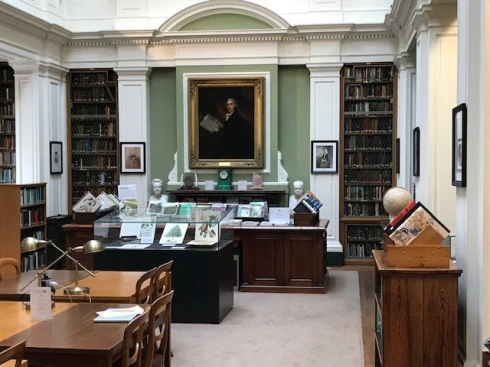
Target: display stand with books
[
  {"x": 307, "y": 212},
  {"x": 414, "y": 239}
]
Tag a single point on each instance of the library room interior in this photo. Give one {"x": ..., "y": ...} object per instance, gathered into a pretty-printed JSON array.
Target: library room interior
[{"x": 244, "y": 183}]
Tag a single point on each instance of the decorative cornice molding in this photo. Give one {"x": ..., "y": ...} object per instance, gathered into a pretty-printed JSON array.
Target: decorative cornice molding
[
  {"x": 325, "y": 70},
  {"x": 404, "y": 60},
  {"x": 434, "y": 15},
  {"x": 133, "y": 73}
]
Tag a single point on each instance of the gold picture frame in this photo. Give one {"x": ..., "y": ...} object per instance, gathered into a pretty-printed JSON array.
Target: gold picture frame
[{"x": 226, "y": 122}]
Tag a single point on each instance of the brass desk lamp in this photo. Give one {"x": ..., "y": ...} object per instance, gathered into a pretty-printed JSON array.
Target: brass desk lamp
[{"x": 31, "y": 244}]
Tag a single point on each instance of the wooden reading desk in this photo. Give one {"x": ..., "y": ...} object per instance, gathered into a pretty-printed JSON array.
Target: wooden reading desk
[{"x": 70, "y": 338}]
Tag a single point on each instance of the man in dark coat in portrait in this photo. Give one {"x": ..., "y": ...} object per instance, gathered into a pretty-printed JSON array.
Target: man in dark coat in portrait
[{"x": 238, "y": 136}]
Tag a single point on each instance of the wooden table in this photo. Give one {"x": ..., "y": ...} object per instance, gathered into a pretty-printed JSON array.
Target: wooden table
[
  {"x": 10, "y": 286},
  {"x": 105, "y": 287},
  {"x": 71, "y": 338},
  {"x": 16, "y": 319}
]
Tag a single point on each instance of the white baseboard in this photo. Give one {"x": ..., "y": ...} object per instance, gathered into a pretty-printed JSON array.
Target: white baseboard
[
  {"x": 471, "y": 364},
  {"x": 334, "y": 246}
]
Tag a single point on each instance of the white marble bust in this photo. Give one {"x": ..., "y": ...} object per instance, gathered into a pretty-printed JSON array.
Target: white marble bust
[
  {"x": 157, "y": 187},
  {"x": 298, "y": 192}
]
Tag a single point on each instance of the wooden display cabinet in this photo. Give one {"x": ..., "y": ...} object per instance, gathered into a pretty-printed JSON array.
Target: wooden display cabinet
[
  {"x": 367, "y": 155},
  {"x": 416, "y": 315},
  {"x": 93, "y": 151},
  {"x": 7, "y": 124},
  {"x": 23, "y": 215}
]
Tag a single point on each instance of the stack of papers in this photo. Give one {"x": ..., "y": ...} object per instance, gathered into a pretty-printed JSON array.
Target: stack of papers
[{"x": 118, "y": 314}]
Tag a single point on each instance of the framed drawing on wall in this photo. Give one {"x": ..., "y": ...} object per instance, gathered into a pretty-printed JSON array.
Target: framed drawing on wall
[
  {"x": 397, "y": 152},
  {"x": 56, "y": 157},
  {"x": 459, "y": 145},
  {"x": 324, "y": 156},
  {"x": 416, "y": 152},
  {"x": 133, "y": 157},
  {"x": 226, "y": 123}
]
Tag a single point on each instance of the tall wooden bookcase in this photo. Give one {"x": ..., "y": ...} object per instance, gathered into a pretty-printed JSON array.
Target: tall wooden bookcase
[
  {"x": 23, "y": 214},
  {"x": 93, "y": 132},
  {"x": 367, "y": 158},
  {"x": 7, "y": 124}
]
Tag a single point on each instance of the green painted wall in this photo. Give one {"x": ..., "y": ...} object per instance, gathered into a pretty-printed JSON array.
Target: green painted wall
[
  {"x": 163, "y": 129},
  {"x": 294, "y": 122},
  {"x": 290, "y": 120},
  {"x": 225, "y": 21}
]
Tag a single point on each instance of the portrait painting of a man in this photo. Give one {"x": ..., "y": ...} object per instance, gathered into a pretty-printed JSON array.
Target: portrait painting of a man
[{"x": 226, "y": 123}]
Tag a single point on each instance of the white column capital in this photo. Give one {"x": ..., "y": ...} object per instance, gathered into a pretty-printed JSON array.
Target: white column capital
[
  {"x": 133, "y": 73},
  {"x": 436, "y": 14},
  {"x": 404, "y": 60},
  {"x": 324, "y": 70},
  {"x": 36, "y": 68}
]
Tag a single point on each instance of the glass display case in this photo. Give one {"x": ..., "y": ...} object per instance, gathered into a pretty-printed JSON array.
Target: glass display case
[{"x": 173, "y": 225}]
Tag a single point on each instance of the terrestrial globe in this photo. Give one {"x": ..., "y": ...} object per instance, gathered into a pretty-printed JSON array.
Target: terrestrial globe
[{"x": 395, "y": 200}]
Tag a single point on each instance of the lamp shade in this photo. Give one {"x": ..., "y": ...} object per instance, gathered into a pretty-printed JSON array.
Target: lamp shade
[
  {"x": 31, "y": 244},
  {"x": 90, "y": 247}
]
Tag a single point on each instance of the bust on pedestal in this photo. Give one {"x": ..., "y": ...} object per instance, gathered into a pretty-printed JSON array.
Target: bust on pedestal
[
  {"x": 157, "y": 187},
  {"x": 298, "y": 192}
]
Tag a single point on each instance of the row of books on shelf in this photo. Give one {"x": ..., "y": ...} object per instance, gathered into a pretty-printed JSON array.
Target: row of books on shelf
[
  {"x": 93, "y": 109},
  {"x": 7, "y": 93},
  {"x": 33, "y": 261},
  {"x": 365, "y": 192},
  {"x": 31, "y": 217},
  {"x": 368, "y": 142},
  {"x": 368, "y": 106},
  {"x": 93, "y": 128},
  {"x": 367, "y": 159},
  {"x": 7, "y": 142},
  {"x": 7, "y": 126},
  {"x": 92, "y": 78},
  {"x": 368, "y": 125},
  {"x": 7, "y": 109},
  {"x": 369, "y": 91},
  {"x": 381, "y": 176},
  {"x": 7, "y": 158},
  {"x": 101, "y": 94},
  {"x": 93, "y": 145},
  {"x": 365, "y": 232},
  {"x": 7, "y": 175},
  {"x": 411, "y": 222},
  {"x": 87, "y": 162},
  {"x": 364, "y": 210},
  {"x": 369, "y": 73},
  {"x": 362, "y": 249},
  {"x": 31, "y": 195},
  {"x": 7, "y": 75}
]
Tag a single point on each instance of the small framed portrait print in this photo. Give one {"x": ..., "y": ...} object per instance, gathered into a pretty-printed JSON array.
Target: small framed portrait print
[
  {"x": 56, "y": 157},
  {"x": 324, "y": 156},
  {"x": 133, "y": 157}
]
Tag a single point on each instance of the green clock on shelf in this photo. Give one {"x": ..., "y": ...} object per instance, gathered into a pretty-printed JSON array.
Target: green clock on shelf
[{"x": 224, "y": 179}]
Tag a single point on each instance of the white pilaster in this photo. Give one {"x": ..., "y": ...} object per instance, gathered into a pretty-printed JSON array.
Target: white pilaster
[
  {"x": 473, "y": 208},
  {"x": 405, "y": 116},
  {"x": 436, "y": 96},
  {"x": 324, "y": 125},
  {"x": 133, "y": 94}
]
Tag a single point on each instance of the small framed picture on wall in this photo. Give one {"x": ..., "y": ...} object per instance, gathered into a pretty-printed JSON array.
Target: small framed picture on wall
[
  {"x": 56, "y": 157},
  {"x": 324, "y": 156},
  {"x": 416, "y": 152},
  {"x": 459, "y": 145},
  {"x": 397, "y": 160},
  {"x": 133, "y": 157}
]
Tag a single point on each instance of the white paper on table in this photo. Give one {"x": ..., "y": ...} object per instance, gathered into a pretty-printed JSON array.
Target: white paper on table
[
  {"x": 130, "y": 228},
  {"x": 279, "y": 215},
  {"x": 115, "y": 312},
  {"x": 208, "y": 185},
  {"x": 101, "y": 230},
  {"x": 134, "y": 246},
  {"x": 40, "y": 303},
  {"x": 126, "y": 192},
  {"x": 242, "y": 185}
]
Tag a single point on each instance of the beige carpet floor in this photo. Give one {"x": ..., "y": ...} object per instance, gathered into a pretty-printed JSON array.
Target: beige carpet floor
[{"x": 280, "y": 330}]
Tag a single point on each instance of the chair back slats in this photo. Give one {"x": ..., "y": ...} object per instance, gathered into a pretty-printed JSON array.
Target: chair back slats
[
  {"x": 165, "y": 271},
  {"x": 15, "y": 352},
  {"x": 144, "y": 295},
  {"x": 133, "y": 341},
  {"x": 158, "y": 333}
]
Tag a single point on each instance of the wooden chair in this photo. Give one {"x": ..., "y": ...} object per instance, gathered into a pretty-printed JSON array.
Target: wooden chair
[
  {"x": 13, "y": 353},
  {"x": 166, "y": 271},
  {"x": 157, "y": 344},
  {"x": 131, "y": 354},
  {"x": 145, "y": 296},
  {"x": 9, "y": 261}
]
